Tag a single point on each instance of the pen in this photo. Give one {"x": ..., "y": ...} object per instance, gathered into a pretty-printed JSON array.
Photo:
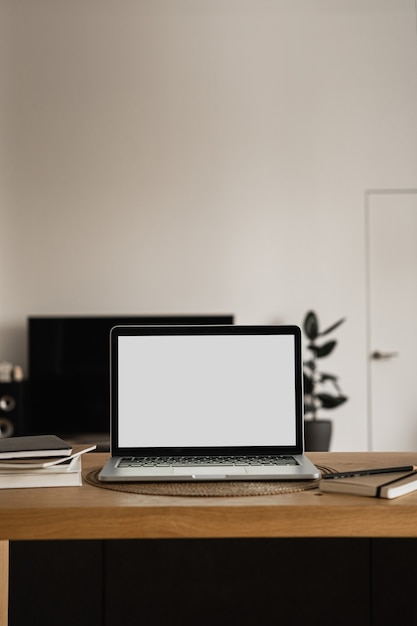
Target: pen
[{"x": 368, "y": 472}]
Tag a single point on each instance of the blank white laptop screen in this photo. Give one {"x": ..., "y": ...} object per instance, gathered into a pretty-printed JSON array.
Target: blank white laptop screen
[{"x": 214, "y": 390}]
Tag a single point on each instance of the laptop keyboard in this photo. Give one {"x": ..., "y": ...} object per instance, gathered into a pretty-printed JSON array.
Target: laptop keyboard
[{"x": 183, "y": 461}]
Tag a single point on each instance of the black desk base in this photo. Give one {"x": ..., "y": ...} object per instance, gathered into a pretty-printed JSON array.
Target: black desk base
[{"x": 250, "y": 582}]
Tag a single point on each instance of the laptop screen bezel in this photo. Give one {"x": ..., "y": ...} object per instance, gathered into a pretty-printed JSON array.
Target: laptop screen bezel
[{"x": 129, "y": 330}]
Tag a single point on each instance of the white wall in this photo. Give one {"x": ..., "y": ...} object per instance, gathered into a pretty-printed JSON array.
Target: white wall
[{"x": 202, "y": 156}]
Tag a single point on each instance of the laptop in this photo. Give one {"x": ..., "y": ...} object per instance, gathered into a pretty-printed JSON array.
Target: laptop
[{"x": 206, "y": 403}]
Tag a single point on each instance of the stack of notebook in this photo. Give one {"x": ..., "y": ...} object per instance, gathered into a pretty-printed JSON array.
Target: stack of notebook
[{"x": 40, "y": 461}]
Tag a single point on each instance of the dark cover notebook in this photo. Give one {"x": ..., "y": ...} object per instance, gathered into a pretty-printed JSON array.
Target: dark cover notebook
[
  {"x": 33, "y": 446},
  {"x": 376, "y": 485}
]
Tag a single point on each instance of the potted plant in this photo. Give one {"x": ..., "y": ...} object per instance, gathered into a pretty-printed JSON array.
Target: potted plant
[{"x": 321, "y": 390}]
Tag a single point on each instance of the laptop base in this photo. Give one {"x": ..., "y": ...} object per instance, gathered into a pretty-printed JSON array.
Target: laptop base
[{"x": 302, "y": 470}]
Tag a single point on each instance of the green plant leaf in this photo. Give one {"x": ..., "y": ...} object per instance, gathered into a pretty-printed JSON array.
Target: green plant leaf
[
  {"x": 332, "y": 327},
  {"x": 324, "y": 350},
  {"x": 310, "y": 365},
  {"x": 330, "y": 402},
  {"x": 326, "y": 377},
  {"x": 311, "y": 325},
  {"x": 308, "y": 384}
]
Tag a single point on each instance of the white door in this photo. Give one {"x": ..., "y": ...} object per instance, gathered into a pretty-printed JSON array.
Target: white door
[{"x": 392, "y": 319}]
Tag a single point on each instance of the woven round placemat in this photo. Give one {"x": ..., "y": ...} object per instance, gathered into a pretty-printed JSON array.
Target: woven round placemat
[{"x": 208, "y": 488}]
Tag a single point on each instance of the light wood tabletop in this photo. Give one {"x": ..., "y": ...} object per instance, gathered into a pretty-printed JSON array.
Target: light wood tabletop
[{"x": 90, "y": 512}]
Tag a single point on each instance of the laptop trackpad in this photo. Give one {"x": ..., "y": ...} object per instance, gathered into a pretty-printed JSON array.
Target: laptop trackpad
[{"x": 197, "y": 472}]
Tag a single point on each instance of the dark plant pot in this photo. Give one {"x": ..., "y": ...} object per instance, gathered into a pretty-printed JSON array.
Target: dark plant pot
[{"x": 317, "y": 435}]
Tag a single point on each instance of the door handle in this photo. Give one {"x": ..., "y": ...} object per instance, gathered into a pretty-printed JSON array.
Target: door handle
[{"x": 377, "y": 355}]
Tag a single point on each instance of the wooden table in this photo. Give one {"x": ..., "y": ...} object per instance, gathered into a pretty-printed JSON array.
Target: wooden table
[{"x": 89, "y": 512}]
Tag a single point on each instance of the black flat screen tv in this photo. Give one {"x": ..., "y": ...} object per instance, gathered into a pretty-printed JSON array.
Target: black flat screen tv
[{"x": 69, "y": 380}]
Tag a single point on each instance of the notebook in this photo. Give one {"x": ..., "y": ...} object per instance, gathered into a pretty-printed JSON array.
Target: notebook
[{"x": 202, "y": 403}]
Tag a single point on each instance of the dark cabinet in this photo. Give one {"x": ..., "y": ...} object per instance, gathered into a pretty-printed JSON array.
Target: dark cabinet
[
  {"x": 56, "y": 582},
  {"x": 239, "y": 581},
  {"x": 394, "y": 582},
  {"x": 185, "y": 582}
]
